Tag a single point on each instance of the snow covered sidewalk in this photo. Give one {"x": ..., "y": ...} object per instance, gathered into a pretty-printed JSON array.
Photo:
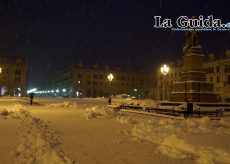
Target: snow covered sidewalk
[
  {"x": 38, "y": 141},
  {"x": 8, "y": 139}
]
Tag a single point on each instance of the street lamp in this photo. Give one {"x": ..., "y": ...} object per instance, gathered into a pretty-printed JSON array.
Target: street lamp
[
  {"x": 110, "y": 77},
  {"x": 0, "y": 84},
  {"x": 164, "y": 71}
]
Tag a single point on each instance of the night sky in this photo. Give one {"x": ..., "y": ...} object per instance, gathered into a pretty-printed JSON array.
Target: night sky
[{"x": 52, "y": 34}]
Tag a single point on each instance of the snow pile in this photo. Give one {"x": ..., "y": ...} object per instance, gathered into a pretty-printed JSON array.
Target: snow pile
[
  {"x": 39, "y": 142},
  {"x": 65, "y": 104},
  {"x": 149, "y": 103},
  {"x": 177, "y": 148},
  {"x": 162, "y": 134},
  {"x": 194, "y": 126},
  {"x": 128, "y": 101},
  {"x": 205, "y": 125},
  {"x": 10, "y": 111},
  {"x": 95, "y": 111},
  {"x": 18, "y": 107},
  {"x": 14, "y": 107},
  {"x": 4, "y": 112}
]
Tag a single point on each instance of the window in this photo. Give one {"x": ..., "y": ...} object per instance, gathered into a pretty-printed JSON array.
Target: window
[
  {"x": 228, "y": 79},
  {"x": 217, "y": 79},
  {"x": 211, "y": 79},
  {"x": 79, "y": 76},
  {"x": 95, "y": 76},
  {"x": 217, "y": 69},
  {"x": 94, "y": 83},
  {"x": 227, "y": 68},
  {"x": 17, "y": 72},
  {"x": 212, "y": 70},
  {"x": 101, "y": 76},
  {"x": 88, "y": 83},
  {"x": 17, "y": 80},
  {"x": 88, "y": 93}
]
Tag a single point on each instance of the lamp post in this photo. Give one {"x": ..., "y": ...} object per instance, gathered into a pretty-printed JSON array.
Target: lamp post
[
  {"x": 0, "y": 81},
  {"x": 110, "y": 78},
  {"x": 164, "y": 71}
]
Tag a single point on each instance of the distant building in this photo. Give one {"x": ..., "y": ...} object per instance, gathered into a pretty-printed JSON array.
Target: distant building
[
  {"x": 216, "y": 71},
  {"x": 13, "y": 77},
  {"x": 79, "y": 81}
]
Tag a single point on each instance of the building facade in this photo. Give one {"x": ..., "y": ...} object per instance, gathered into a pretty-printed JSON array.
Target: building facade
[
  {"x": 13, "y": 77},
  {"x": 216, "y": 71},
  {"x": 80, "y": 81}
]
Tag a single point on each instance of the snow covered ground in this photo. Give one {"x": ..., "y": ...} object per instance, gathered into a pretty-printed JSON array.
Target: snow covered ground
[{"x": 88, "y": 131}]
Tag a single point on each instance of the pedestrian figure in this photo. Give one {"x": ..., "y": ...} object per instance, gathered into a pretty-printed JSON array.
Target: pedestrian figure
[
  {"x": 110, "y": 101},
  {"x": 31, "y": 98}
]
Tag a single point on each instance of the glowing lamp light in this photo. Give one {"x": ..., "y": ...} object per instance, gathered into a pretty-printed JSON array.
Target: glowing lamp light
[
  {"x": 63, "y": 90},
  {"x": 164, "y": 69},
  {"x": 110, "y": 77},
  {"x": 0, "y": 70},
  {"x": 57, "y": 90},
  {"x": 30, "y": 91}
]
